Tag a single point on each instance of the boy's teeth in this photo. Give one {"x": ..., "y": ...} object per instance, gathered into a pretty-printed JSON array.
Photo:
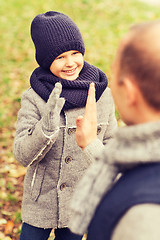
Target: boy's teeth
[{"x": 69, "y": 71}]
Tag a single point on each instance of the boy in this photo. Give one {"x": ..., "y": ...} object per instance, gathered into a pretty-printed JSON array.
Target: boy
[{"x": 45, "y": 136}]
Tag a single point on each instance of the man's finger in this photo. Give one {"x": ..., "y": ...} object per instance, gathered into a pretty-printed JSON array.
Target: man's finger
[{"x": 90, "y": 110}]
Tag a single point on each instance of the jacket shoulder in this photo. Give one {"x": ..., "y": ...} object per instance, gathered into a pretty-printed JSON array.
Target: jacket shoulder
[
  {"x": 106, "y": 96},
  {"x": 30, "y": 93},
  {"x": 106, "y": 104},
  {"x": 31, "y": 96},
  {"x": 143, "y": 229}
]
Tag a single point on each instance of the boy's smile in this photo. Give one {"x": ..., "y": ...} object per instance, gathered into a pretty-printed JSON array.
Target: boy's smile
[
  {"x": 70, "y": 72},
  {"x": 68, "y": 65}
]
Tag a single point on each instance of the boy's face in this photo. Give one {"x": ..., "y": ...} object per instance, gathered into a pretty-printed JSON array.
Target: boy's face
[{"x": 68, "y": 65}]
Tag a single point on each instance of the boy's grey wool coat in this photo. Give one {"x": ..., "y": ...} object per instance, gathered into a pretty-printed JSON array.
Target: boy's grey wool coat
[{"x": 54, "y": 164}]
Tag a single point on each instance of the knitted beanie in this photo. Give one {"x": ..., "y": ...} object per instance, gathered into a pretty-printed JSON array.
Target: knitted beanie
[{"x": 54, "y": 33}]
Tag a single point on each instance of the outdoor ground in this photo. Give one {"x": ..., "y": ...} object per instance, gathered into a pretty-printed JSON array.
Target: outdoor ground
[{"x": 102, "y": 24}]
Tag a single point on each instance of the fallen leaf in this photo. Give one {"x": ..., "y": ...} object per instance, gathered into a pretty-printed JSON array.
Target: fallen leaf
[
  {"x": 6, "y": 213},
  {"x": 2, "y": 236},
  {"x": 20, "y": 171},
  {"x": 9, "y": 227},
  {"x": 3, "y": 221}
]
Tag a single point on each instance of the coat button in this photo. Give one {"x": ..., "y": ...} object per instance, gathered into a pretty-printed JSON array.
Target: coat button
[
  {"x": 71, "y": 131},
  {"x": 63, "y": 186},
  {"x": 98, "y": 130},
  {"x": 68, "y": 159},
  {"x": 30, "y": 131}
]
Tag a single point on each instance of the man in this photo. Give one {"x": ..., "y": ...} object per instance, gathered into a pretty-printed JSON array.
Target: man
[{"x": 125, "y": 207}]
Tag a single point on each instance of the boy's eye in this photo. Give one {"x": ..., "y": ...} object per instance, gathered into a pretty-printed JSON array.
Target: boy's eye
[
  {"x": 59, "y": 57},
  {"x": 75, "y": 53}
]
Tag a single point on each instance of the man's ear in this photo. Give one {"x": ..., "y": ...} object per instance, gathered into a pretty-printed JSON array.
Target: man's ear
[{"x": 132, "y": 91}]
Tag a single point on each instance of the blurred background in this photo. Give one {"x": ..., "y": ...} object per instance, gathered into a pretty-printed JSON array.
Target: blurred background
[{"x": 102, "y": 24}]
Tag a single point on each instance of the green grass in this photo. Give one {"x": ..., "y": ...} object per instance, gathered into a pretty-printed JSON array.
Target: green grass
[{"x": 102, "y": 24}]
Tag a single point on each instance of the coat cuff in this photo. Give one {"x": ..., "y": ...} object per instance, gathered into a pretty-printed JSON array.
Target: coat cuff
[{"x": 94, "y": 149}]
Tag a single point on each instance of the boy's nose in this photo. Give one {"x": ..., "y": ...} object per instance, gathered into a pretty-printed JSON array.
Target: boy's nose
[{"x": 69, "y": 62}]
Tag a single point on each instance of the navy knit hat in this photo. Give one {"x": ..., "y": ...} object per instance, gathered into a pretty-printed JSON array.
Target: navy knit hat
[{"x": 54, "y": 33}]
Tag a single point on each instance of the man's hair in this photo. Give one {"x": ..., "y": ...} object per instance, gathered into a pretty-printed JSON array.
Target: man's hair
[{"x": 140, "y": 59}]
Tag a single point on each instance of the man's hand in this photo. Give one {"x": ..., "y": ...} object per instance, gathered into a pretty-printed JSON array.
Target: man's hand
[{"x": 87, "y": 125}]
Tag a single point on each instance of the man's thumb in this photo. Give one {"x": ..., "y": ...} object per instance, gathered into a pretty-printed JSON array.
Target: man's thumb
[{"x": 79, "y": 121}]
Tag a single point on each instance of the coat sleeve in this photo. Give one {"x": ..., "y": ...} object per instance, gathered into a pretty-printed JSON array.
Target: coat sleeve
[{"x": 30, "y": 143}]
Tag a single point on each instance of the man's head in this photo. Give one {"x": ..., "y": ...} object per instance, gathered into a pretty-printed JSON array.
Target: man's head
[{"x": 136, "y": 82}]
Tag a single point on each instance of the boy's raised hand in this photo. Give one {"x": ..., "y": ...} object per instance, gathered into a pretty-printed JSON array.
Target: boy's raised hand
[
  {"x": 86, "y": 130},
  {"x": 54, "y": 106}
]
